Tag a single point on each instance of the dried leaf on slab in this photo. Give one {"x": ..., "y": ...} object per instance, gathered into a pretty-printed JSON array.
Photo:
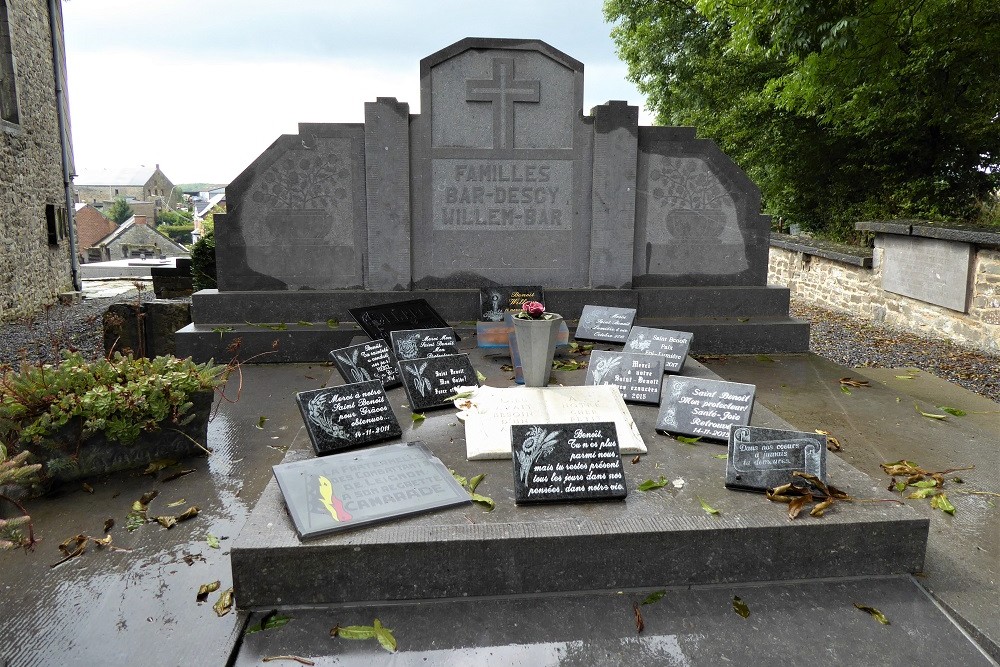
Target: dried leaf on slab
[
  {"x": 177, "y": 475},
  {"x": 224, "y": 604},
  {"x": 166, "y": 521},
  {"x": 145, "y": 499},
  {"x": 635, "y": 459},
  {"x": 740, "y": 607},
  {"x": 796, "y": 504},
  {"x": 189, "y": 513},
  {"x": 87, "y": 487},
  {"x": 158, "y": 465},
  {"x": 109, "y": 523},
  {"x": 832, "y": 443},
  {"x": 205, "y": 589},
  {"x": 296, "y": 658},
  {"x": 821, "y": 508},
  {"x": 875, "y": 613},
  {"x": 851, "y": 382},
  {"x": 929, "y": 415},
  {"x": 639, "y": 624},
  {"x": 176, "y": 503}
]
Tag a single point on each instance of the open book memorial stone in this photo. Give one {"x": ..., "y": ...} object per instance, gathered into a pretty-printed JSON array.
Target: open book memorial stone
[
  {"x": 605, "y": 323},
  {"x": 703, "y": 407},
  {"x": 367, "y": 361},
  {"x": 578, "y": 461},
  {"x": 495, "y": 302},
  {"x": 430, "y": 382},
  {"x": 637, "y": 376},
  {"x": 347, "y": 416},
  {"x": 423, "y": 343},
  {"x": 381, "y": 320},
  {"x": 673, "y": 346},
  {"x": 763, "y": 458},
  {"x": 345, "y": 491}
]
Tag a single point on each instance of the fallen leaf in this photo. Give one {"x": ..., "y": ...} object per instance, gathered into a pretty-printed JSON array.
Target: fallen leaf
[
  {"x": 765, "y": 359},
  {"x": 270, "y": 621},
  {"x": 920, "y": 494},
  {"x": 957, "y": 412},
  {"x": 796, "y": 505},
  {"x": 635, "y": 459},
  {"x": 296, "y": 658},
  {"x": 650, "y": 484},
  {"x": 353, "y": 632},
  {"x": 876, "y": 614},
  {"x": 925, "y": 484},
  {"x": 303, "y": 323},
  {"x": 654, "y": 597},
  {"x": 212, "y": 540},
  {"x": 929, "y": 415},
  {"x": 384, "y": 636},
  {"x": 708, "y": 508},
  {"x": 103, "y": 542},
  {"x": 720, "y": 456},
  {"x": 261, "y": 421},
  {"x": 851, "y": 382},
  {"x": 176, "y": 503},
  {"x": 109, "y": 523},
  {"x": 844, "y": 389},
  {"x": 205, "y": 589},
  {"x": 941, "y": 502},
  {"x": 166, "y": 521},
  {"x": 87, "y": 487},
  {"x": 740, "y": 607},
  {"x": 821, "y": 508},
  {"x": 639, "y": 625},
  {"x": 480, "y": 377},
  {"x": 225, "y": 602},
  {"x": 189, "y": 513},
  {"x": 158, "y": 465},
  {"x": 177, "y": 475},
  {"x": 145, "y": 499},
  {"x": 418, "y": 417},
  {"x": 333, "y": 323},
  {"x": 687, "y": 440}
]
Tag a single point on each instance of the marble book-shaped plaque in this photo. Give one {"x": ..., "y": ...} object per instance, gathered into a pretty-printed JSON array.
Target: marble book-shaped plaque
[
  {"x": 763, "y": 458},
  {"x": 354, "y": 489},
  {"x": 494, "y": 302},
  {"x": 578, "y": 461},
  {"x": 347, "y": 416},
  {"x": 637, "y": 376},
  {"x": 704, "y": 407},
  {"x": 423, "y": 343},
  {"x": 493, "y": 411},
  {"x": 605, "y": 323},
  {"x": 373, "y": 360},
  {"x": 379, "y": 321},
  {"x": 429, "y": 382},
  {"x": 673, "y": 346}
]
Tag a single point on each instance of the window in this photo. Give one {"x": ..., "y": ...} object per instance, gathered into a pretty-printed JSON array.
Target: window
[{"x": 8, "y": 85}]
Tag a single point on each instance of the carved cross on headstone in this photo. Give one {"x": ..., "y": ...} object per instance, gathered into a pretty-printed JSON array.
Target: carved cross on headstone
[{"x": 502, "y": 90}]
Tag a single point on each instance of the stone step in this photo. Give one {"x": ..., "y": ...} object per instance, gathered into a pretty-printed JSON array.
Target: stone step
[
  {"x": 458, "y": 305},
  {"x": 657, "y": 538}
]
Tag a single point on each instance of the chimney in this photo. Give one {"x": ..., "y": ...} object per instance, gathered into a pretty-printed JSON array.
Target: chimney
[{"x": 140, "y": 220}]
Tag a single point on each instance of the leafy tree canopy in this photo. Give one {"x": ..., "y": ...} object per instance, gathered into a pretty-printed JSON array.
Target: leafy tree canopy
[
  {"x": 840, "y": 110},
  {"x": 120, "y": 211}
]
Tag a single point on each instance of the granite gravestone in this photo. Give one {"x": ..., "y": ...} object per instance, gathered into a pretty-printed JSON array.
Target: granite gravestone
[
  {"x": 605, "y": 323},
  {"x": 763, "y": 458},
  {"x": 347, "y": 416},
  {"x": 637, "y": 376},
  {"x": 671, "y": 345},
  {"x": 429, "y": 382},
  {"x": 495, "y": 302},
  {"x": 381, "y": 320},
  {"x": 367, "y": 361},
  {"x": 423, "y": 343},
  {"x": 703, "y": 407},
  {"x": 354, "y": 489},
  {"x": 578, "y": 461}
]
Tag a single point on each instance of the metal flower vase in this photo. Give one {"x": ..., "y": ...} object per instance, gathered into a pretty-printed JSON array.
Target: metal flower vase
[{"x": 536, "y": 344}]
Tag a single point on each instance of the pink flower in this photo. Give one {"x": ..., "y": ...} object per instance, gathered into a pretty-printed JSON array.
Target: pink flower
[{"x": 533, "y": 309}]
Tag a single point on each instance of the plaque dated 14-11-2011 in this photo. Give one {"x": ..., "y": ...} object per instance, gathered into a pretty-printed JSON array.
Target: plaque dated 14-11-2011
[
  {"x": 558, "y": 462},
  {"x": 347, "y": 416}
]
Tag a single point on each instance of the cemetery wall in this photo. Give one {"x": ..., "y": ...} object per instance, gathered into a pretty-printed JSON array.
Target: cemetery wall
[
  {"x": 35, "y": 271},
  {"x": 844, "y": 286}
]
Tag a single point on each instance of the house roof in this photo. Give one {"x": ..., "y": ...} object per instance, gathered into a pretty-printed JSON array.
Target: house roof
[
  {"x": 91, "y": 226},
  {"x": 122, "y": 176},
  {"x": 129, "y": 224},
  {"x": 201, "y": 212}
]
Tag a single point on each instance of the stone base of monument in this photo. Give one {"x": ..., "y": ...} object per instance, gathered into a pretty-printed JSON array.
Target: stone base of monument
[
  {"x": 725, "y": 320},
  {"x": 656, "y": 538}
]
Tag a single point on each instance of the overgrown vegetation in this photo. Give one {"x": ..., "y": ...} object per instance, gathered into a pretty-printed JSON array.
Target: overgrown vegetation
[
  {"x": 16, "y": 471},
  {"x": 120, "y": 211},
  {"x": 203, "y": 261},
  {"x": 177, "y": 233},
  {"x": 171, "y": 217},
  {"x": 839, "y": 111}
]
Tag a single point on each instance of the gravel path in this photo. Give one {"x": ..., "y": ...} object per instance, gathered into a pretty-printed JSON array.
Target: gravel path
[{"x": 836, "y": 336}]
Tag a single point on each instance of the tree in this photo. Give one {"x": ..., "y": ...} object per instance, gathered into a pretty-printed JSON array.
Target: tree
[
  {"x": 120, "y": 211},
  {"x": 840, "y": 110}
]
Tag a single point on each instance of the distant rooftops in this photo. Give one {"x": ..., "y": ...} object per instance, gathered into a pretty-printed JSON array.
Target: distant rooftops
[{"x": 122, "y": 176}]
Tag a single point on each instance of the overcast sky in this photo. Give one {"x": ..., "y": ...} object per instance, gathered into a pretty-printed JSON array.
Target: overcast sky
[{"x": 202, "y": 87}]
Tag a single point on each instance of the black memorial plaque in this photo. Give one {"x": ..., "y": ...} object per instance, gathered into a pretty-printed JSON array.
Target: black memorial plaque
[
  {"x": 554, "y": 462},
  {"x": 703, "y": 407},
  {"x": 379, "y": 321},
  {"x": 495, "y": 302},
  {"x": 763, "y": 458},
  {"x": 673, "y": 346},
  {"x": 638, "y": 376},
  {"x": 347, "y": 416},
  {"x": 429, "y": 382},
  {"x": 367, "y": 361},
  {"x": 605, "y": 323},
  {"x": 423, "y": 343},
  {"x": 353, "y": 489}
]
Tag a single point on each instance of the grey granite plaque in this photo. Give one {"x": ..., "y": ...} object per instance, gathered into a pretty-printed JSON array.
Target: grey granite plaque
[
  {"x": 423, "y": 343},
  {"x": 577, "y": 461},
  {"x": 703, "y": 407},
  {"x": 354, "y": 489},
  {"x": 637, "y": 376},
  {"x": 763, "y": 458},
  {"x": 671, "y": 345},
  {"x": 930, "y": 270},
  {"x": 495, "y": 302},
  {"x": 347, "y": 416},
  {"x": 605, "y": 323},
  {"x": 429, "y": 382},
  {"x": 379, "y": 321},
  {"x": 367, "y": 361}
]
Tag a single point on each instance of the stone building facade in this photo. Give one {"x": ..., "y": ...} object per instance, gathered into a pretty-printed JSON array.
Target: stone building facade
[
  {"x": 143, "y": 184},
  {"x": 35, "y": 226}
]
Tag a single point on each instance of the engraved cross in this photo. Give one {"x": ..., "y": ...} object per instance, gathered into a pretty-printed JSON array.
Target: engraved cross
[{"x": 502, "y": 90}]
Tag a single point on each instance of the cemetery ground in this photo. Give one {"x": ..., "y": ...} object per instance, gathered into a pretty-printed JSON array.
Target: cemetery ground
[{"x": 139, "y": 605}]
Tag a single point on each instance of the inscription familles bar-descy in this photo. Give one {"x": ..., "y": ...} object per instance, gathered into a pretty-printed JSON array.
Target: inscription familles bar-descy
[{"x": 503, "y": 195}]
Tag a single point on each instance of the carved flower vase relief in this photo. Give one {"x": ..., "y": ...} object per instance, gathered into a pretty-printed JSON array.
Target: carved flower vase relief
[{"x": 535, "y": 331}]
